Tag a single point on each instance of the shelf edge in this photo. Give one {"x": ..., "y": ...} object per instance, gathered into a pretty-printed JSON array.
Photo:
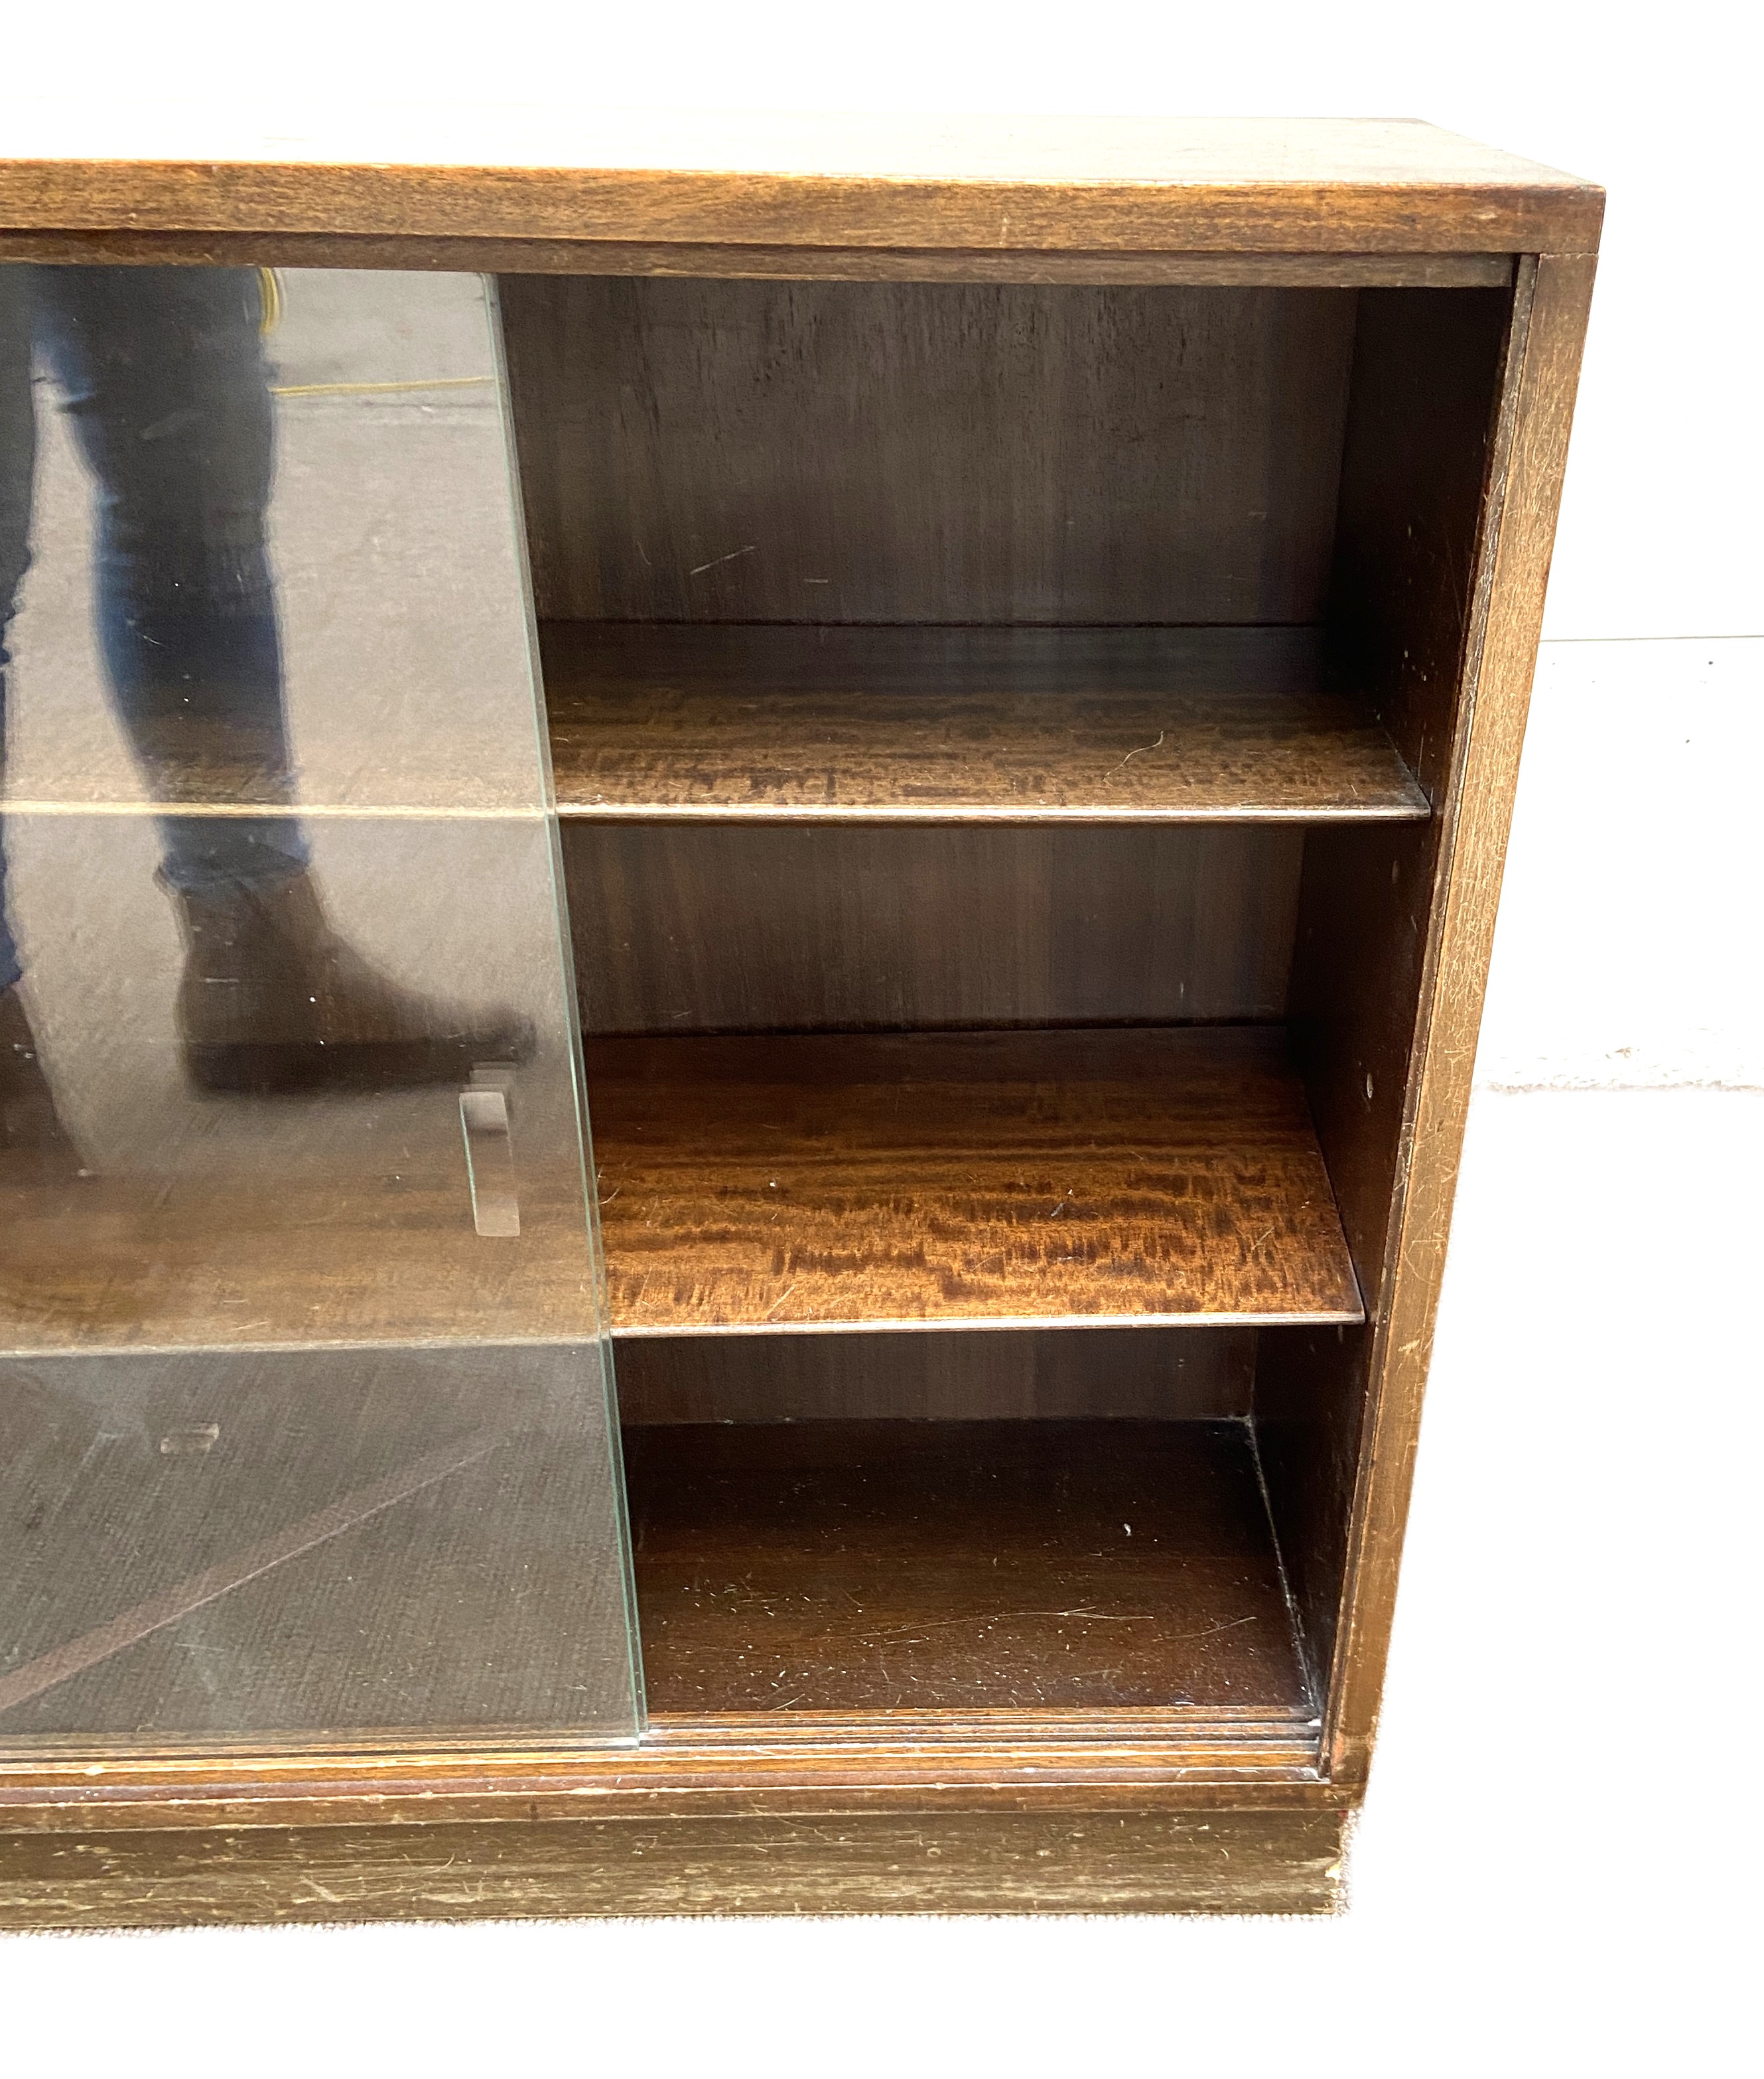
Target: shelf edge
[
  {"x": 1417, "y": 811},
  {"x": 958, "y": 1323}
]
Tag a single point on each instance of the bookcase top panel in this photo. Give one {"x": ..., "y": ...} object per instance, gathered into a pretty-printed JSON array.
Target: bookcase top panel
[{"x": 1041, "y": 183}]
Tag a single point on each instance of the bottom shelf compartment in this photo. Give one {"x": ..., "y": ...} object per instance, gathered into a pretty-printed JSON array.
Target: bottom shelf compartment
[{"x": 991, "y": 1566}]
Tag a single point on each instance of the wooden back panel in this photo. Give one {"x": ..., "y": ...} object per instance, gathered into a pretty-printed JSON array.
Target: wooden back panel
[
  {"x": 914, "y": 452},
  {"x": 1149, "y": 1374},
  {"x": 746, "y": 928}
]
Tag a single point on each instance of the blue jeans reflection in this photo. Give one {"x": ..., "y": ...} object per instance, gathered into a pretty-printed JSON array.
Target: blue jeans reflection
[{"x": 167, "y": 393}]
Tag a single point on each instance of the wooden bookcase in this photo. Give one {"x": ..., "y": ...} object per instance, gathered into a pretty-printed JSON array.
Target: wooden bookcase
[{"x": 1036, "y": 631}]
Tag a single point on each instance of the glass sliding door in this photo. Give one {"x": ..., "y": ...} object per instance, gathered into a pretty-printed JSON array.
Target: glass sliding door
[{"x": 304, "y": 1384}]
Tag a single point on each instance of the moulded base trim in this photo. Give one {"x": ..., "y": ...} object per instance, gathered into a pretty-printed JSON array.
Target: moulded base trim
[{"x": 941, "y": 1862}]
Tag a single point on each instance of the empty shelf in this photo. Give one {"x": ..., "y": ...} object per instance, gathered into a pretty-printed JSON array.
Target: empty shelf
[
  {"x": 902, "y": 1566},
  {"x": 928, "y": 725},
  {"x": 993, "y": 1178}
]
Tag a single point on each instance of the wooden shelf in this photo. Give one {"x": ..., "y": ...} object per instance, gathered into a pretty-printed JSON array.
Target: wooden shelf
[
  {"x": 926, "y": 1180},
  {"x": 140, "y": 1262},
  {"x": 976, "y": 1566},
  {"x": 928, "y": 725},
  {"x": 989, "y": 1178}
]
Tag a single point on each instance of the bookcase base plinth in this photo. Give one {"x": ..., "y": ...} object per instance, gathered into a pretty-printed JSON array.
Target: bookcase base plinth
[{"x": 973, "y": 1862}]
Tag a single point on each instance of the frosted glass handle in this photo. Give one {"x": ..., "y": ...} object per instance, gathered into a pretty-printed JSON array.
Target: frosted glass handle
[{"x": 490, "y": 1154}]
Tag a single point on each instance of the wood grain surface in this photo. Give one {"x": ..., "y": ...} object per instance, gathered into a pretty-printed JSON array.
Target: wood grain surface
[
  {"x": 747, "y": 927},
  {"x": 1424, "y": 417},
  {"x": 1043, "y": 1565},
  {"x": 1027, "y": 1374},
  {"x": 767, "y": 263},
  {"x": 1218, "y": 1757},
  {"x": 132, "y": 1262},
  {"x": 919, "y": 725},
  {"x": 788, "y": 1182},
  {"x": 817, "y": 1182},
  {"x": 1521, "y": 504},
  {"x": 1059, "y": 184},
  {"x": 900, "y": 452},
  {"x": 932, "y": 1860}
]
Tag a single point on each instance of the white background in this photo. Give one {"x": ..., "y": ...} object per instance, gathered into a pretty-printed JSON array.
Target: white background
[{"x": 1552, "y": 1874}]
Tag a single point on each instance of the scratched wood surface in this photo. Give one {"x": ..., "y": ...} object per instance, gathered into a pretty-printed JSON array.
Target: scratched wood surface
[
  {"x": 890, "y": 452},
  {"x": 922, "y": 724},
  {"x": 933, "y": 1859},
  {"x": 1030, "y": 1566},
  {"x": 1063, "y": 183},
  {"x": 1513, "y": 568},
  {"x": 1423, "y": 418},
  {"x": 809, "y": 1181}
]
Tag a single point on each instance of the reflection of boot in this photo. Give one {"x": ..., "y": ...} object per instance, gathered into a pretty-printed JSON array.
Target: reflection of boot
[
  {"x": 273, "y": 1000},
  {"x": 34, "y": 1144}
]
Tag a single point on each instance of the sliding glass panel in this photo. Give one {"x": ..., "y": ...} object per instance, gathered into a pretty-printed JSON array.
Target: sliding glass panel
[{"x": 305, "y": 1396}]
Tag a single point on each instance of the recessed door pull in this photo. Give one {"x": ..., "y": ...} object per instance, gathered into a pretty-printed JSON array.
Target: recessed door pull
[{"x": 490, "y": 1154}]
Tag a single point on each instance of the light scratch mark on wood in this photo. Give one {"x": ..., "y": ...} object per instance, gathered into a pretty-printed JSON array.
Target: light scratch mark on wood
[{"x": 698, "y": 570}]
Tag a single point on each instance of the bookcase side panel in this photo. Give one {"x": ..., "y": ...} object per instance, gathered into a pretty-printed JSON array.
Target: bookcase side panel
[
  {"x": 1419, "y": 470},
  {"x": 1514, "y": 571}
]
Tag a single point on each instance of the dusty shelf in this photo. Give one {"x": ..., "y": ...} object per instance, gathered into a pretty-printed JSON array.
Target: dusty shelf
[
  {"x": 979, "y": 1566},
  {"x": 974, "y": 724}
]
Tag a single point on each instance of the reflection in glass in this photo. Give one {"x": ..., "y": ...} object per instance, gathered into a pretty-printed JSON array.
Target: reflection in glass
[{"x": 301, "y": 1373}]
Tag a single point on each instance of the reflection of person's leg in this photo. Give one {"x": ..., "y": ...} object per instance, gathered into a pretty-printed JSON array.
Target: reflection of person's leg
[
  {"x": 165, "y": 381},
  {"x": 18, "y": 465},
  {"x": 162, "y": 374},
  {"x": 33, "y": 1147}
]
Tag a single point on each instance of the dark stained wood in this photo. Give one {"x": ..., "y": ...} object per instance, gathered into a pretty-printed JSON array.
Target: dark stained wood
[
  {"x": 1108, "y": 1372},
  {"x": 785, "y": 263},
  {"x": 896, "y": 1746},
  {"x": 1519, "y": 524},
  {"x": 1038, "y": 1566},
  {"x": 740, "y": 928},
  {"x": 1224, "y": 1758},
  {"x": 1194, "y": 1193},
  {"x": 818, "y": 1181},
  {"x": 1061, "y": 183},
  {"x": 933, "y": 1860},
  {"x": 741, "y": 450},
  {"x": 1427, "y": 377},
  {"x": 1309, "y": 1397},
  {"x": 916, "y": 725},
  {"x": 1423, "y": 436},
  {"x": 132, "y": 1262},
  {"x": 1421, "y": 420}
]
